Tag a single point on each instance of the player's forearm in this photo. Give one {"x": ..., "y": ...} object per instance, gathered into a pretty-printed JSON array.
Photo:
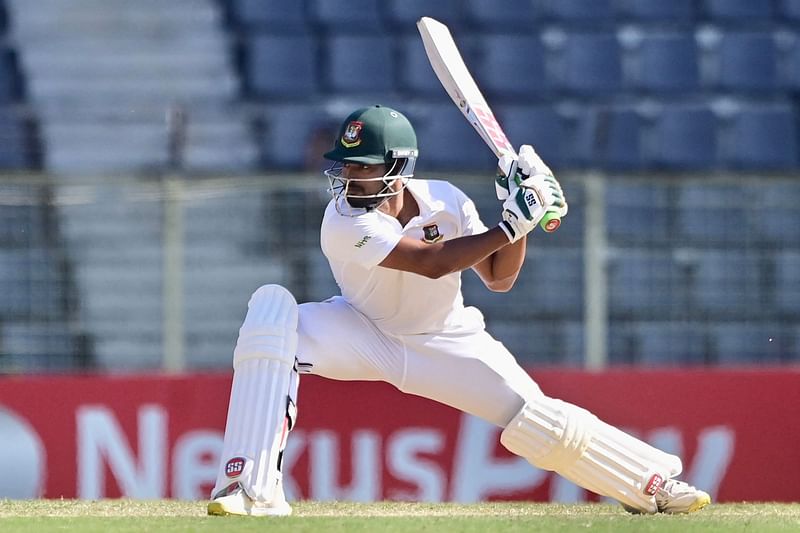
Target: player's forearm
[
  {"x": 440, "y": 259},
  {"x": 504, "y": 266}
]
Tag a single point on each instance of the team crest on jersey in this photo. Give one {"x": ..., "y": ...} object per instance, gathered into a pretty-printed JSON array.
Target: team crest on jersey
[
  {"x": 431, "y": 233},
  {"x": 352, "y": 134}
]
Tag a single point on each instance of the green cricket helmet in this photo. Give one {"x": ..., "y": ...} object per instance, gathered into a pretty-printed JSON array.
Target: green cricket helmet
[{"x": 372, "y": 136}]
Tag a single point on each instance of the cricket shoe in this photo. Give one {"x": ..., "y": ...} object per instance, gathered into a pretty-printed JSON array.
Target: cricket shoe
[
  {"x": 235, "y": 501},
  {"x": 677, "y": 497}
]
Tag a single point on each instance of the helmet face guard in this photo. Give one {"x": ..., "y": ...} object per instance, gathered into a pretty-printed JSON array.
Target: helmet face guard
[
  {"x": 349, "y": 204},
  {"x": 372, "y": 136}
]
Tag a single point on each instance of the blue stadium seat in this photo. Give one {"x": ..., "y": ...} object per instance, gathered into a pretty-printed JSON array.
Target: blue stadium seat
[
  {"x": 738, "y": 343},
  {"x": 415, "y": 75},
  {"x": 638, "y": 212},
  {"x": 708, "y": 214},
  {"x": 790, "y": 73},
  {"x": 727, "y": 283},
  {"x": 447, "y": 142},
  {"x": 282, "y": 66},
  {"x": 358, "y": 65},
  {"x": 763, "y": 137},
  {"x": 747, "y": 62},
  {"x": 619, "y": 344},
  {"x": 684, "y": 138},
  {"x": 789, "y": 9},
  {"x": 614, "y": 139},
  {"x": 658, "y": 11},
  {"x": 23, "y": 226},
  {"x": 510, "y": 66},
  {"x": 743, "y": 11},
  {"x": 490, "y": 15},
  {"x": 646, "y": 284},
  {"x": 31, "y": 285},
  {"x": 777, "y": 215},
  {"x": 289, "y": 133},
  {"x": 347, "y": 16},
  {"x": 787, "y": 282},
  {"x": 16, "y": 146},
  {"x": 538, "y": 125},
  {"x": 673, "y": 343},
  {"x": 667, "y": 63},
  {"x": 555, "y": 277},
  {"x": 270, "y": 14},
  {"x": 538, "y": 342},
  {"x": 402, "y": 15},
  {"x": 574, "y": 12},
  {"x": 589, "y": 63}
]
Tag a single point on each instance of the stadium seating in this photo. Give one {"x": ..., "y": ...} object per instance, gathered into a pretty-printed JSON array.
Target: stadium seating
[
  {"x": 777, "y": 216},
  {"x": 282, "y": 67},
  {"x": 269, "y": 14},
  {"x": 787, "y": 282},
  {"x": 727, "y": 283},
  {"x": 789, "y": 9},
  {"x": 588, "y": 64},
  {"x": 763, "y": 138},
  {"x": 738, "y": 343},
  {"x": 638, "y": 213},
  {"x": 658, "y": 11},
  {"x": 402, "y": 15},
  {"x": 358, "y": 64},
  {"x": 555, "y": 276},
  {"x": 589, "y": 12},
  {"x": 676, "y": 343},
  {"x": 742, "y": 11},
  {"x": 666, "y": 63},
  {"x": 684, "y": 137},
  {"x": 539, "y": 125},
  {"x": 510, "y": 15},
  {"x": 510, "y": 66},
  {"x": 643, "y": 283},
  {"x": 346, "y": 16},
  {"x": 447, "y": 141},
  {"x": 747, "y": 62},
  {"x": 416, "y": 77},
  {"x": 613, "y": 139},
  {"x": 714, "y": 215}
]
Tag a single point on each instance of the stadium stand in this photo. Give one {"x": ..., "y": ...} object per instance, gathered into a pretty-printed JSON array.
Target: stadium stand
[
  {"x": 282, "y": 66},
  {"x": 684, "y": 137},
  {"x": 658, "y": 11},
  {"x": 762, "y": 138},
  {"x": 665, "y": 63}
]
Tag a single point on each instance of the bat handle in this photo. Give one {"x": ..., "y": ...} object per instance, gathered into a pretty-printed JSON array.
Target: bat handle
[{"x": 550, "y": 222}]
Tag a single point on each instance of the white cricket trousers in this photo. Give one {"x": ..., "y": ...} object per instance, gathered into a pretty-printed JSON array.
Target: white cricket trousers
[{"x": 469, "y": 370}]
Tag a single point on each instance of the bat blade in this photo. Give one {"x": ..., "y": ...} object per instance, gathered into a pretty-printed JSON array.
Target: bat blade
[
  {"x": 449, "y": 66},
  {"x": 453, "y": 74}
]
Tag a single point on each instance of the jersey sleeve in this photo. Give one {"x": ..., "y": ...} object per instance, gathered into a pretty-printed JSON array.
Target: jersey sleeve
[
  {"x": 470, "y": 219},
  {"x": 365, "y": 239}
]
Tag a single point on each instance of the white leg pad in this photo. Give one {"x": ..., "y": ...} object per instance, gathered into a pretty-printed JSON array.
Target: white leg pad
[
  {"x": 263, "y": 397},
  {"x": 558, "y": 436}
]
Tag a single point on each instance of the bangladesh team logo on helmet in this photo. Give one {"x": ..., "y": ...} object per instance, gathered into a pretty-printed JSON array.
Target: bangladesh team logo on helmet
[
  {"x": 372, "y": 136},
  {"x": 352, "y": 134}
]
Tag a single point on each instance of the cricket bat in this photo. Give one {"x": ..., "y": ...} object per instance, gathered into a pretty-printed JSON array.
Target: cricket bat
[{"x": 452, "y": 72}]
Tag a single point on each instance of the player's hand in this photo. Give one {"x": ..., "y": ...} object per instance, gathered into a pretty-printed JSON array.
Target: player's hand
[
  {"x": 512, "y": 169},
  {"x": 528, "y": 203}
]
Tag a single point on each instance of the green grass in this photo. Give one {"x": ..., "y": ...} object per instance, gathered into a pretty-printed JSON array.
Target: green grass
[{"x": 385, "y": 517}]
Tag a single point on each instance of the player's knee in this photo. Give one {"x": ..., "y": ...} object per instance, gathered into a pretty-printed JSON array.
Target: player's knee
[
  {"x": 269, "y": 330},
  {"x": 551, "y": 434}
]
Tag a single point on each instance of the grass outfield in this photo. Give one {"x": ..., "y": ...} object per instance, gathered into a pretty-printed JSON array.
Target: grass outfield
[{"x": 386, "y": 517}]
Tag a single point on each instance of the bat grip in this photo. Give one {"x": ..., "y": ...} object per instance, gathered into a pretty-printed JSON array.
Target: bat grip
[{"x": 550, "y": 221}]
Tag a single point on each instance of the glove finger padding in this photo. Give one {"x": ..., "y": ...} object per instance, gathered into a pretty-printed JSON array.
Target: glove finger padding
[
  {"x": 530, "y": 164},
  {"x": 507, "y": 175}
]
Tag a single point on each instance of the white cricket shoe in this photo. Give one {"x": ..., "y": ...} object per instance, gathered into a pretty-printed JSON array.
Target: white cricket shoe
[
  {"x": 236, "y": 502},
  {"x": 675, "y": 497}
]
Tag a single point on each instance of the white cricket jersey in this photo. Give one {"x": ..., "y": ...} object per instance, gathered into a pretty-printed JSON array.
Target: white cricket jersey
[{"x": 400, "y": 302}]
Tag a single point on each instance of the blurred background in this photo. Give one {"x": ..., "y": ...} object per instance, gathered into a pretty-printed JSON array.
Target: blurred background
[{"x": 161, "y": 160}]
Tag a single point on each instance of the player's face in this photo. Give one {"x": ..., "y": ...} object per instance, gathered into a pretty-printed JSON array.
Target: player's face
[{"x": 364, "y": 182}]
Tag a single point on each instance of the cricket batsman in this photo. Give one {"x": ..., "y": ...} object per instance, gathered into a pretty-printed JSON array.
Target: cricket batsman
[{"x": 396, "y": 246}]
